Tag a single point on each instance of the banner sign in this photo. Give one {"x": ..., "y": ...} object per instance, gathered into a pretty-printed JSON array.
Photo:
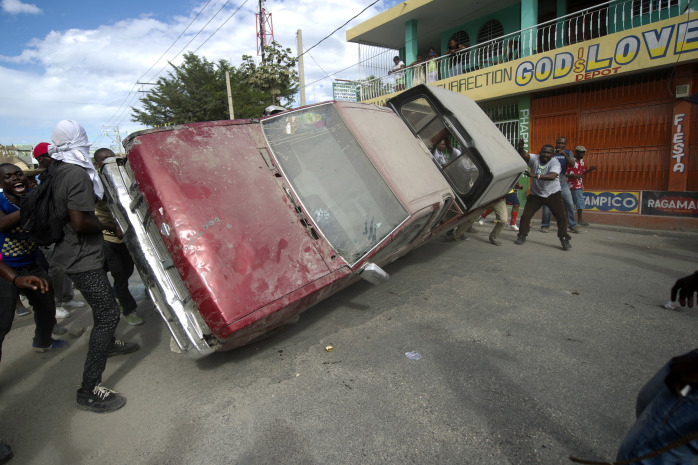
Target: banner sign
[
  {"x": 663, "y": 43},
  {"x": 614, "y": 202},
  {"x": 670, "y": 203},
  {"x": 346, "y": 91}
]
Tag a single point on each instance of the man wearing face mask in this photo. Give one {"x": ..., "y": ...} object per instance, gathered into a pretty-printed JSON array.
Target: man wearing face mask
[{"x": 80, "y": 254}]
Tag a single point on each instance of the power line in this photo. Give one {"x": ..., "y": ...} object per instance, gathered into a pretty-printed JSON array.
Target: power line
[
  {"x": 156, "y": 62},
  {"x": 201, "y": 30},
  {"x": 329, "y": 76},
  {"x": 318, "y": 65},
  {"x": 224, "y": 22},
  {"x": 340, "y": 27},
  {"x": 192, "y": 39},
  {"x": 175, "y": 41}
]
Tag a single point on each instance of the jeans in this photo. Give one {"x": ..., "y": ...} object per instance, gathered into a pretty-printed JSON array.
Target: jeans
[
  {"x": 569, "y": 208},
  {"x": 578, "y": 198},
  {"x": 120, "y": 265},
  {"x": 662, "y": 418},
  {"x": 95, "y": 288},
  {"x": 44, "y": 307},
  {"x": 533, "y": 204}
]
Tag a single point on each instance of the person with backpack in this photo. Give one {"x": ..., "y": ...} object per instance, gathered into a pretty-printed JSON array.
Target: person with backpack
[
  {"x": 60, "y": 283},
  {"x": 20, "y": 253},
  {"x": 74, "y": 184}
]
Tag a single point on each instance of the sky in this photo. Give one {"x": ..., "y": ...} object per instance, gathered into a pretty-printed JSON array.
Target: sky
[{"x": 81, "y": 60}]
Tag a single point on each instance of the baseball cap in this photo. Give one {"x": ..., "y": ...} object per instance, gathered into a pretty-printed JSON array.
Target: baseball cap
[
  {"x": 41, "y": 149},
  {"x": 580, "y": 148}
]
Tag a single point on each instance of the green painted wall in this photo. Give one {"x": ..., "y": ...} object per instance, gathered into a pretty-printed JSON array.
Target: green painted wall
[
  {"x": 510, "y": 18},
  {"x": 411, "y": 45}
]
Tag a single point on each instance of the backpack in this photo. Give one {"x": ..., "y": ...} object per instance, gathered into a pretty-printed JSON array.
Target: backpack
[{"x": 37, "y": 212}]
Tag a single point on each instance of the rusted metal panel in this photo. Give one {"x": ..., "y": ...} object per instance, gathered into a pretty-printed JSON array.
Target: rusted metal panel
[
  {"x": 545, "y": 129},
  {"x": 638, "y": 168}
]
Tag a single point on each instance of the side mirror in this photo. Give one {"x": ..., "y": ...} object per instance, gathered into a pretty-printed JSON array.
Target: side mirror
[{"x": 373, "y": 273}]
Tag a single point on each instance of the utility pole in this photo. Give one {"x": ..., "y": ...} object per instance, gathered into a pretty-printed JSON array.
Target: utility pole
[
  {"x": 301, "y": 71},
  {"x": 230, "y": 95},
  {"x": 112, "y": 132},
  {"x": 118, "y": 139}
]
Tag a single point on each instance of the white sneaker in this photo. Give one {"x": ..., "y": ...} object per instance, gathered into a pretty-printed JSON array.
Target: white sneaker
[
  {"x": 513, "y": 227},
  {"x": 481, "y": 221},
  {"x": 73, "y": 304},
  {"x": 62, "y": 313}
]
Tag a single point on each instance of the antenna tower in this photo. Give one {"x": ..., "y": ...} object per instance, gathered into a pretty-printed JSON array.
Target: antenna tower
[{"x": 265, "y": 29}]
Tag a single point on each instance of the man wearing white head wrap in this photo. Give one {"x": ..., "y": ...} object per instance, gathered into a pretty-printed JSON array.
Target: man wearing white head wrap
[
  {"x": 70, "y": 145},
  {"x": 79, "y": 254}
]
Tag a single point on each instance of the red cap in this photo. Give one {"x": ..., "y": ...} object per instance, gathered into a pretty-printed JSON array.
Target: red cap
[{"x": 41, "y": 149}]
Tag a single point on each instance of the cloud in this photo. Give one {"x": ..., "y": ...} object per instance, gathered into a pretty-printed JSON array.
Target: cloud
[
  {"x": 89, "y": 75},
  {"x": 15, "y": 7}
]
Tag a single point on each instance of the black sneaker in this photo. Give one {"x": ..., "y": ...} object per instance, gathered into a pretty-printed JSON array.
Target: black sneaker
[
  {"x": 520, "y": 239},
  {"x": 565, "y": 244},
  {"x": 122, "y": 348},
  {"x": 100, "y": 400}
]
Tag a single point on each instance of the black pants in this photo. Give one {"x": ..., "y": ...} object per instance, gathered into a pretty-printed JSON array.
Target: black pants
[
  {"x": 94, "y": 287},
  {"x": 120, "y": 265},
  {"x": 557, "y": 208},
  {"x": 44, "y": 306}
]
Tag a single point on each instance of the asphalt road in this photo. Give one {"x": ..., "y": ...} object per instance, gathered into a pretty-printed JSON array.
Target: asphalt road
[{"x": 528, "y": 354}]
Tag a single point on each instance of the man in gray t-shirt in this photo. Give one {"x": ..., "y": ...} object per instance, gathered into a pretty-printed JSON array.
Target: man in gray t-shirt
[
  {"x": 545, "y": 190},
  {"x": 76, "y": 252},
  {"x": 79, "y": 254}
]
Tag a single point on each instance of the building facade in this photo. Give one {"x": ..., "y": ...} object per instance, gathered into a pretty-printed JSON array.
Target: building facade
[{"x": 616, "y": 77}]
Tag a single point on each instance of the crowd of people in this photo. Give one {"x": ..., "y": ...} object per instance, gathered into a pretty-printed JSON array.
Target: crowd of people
[
  {"x": 88, "y": 246},
  {"x": 457, "y": 59},
  {"x": 556, "y": 185}
]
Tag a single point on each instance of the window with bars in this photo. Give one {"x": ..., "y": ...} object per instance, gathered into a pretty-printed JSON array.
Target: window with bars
[
  {"x": 490, "y": 30},
  {"x": 462, "y": 38}
]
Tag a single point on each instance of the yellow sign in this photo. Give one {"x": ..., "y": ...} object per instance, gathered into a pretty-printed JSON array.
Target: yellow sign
[{"x": 658, "y": 44}]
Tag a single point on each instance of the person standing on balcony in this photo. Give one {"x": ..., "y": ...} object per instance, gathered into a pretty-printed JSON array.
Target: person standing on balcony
[
  {"x": 399, "y": 71},
  {"x": 455, "y": 66},
  {"x": 417, "y": 68},
  {"x": 566, "y": 160},
  {"x": 432, "y": 66},
  {"x": 575, "y": 175},
  {"x": 545, "y": 190}
]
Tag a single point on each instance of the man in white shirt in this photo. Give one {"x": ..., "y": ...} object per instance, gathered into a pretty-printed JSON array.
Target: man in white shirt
[{"x": 545, "y": 190}]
